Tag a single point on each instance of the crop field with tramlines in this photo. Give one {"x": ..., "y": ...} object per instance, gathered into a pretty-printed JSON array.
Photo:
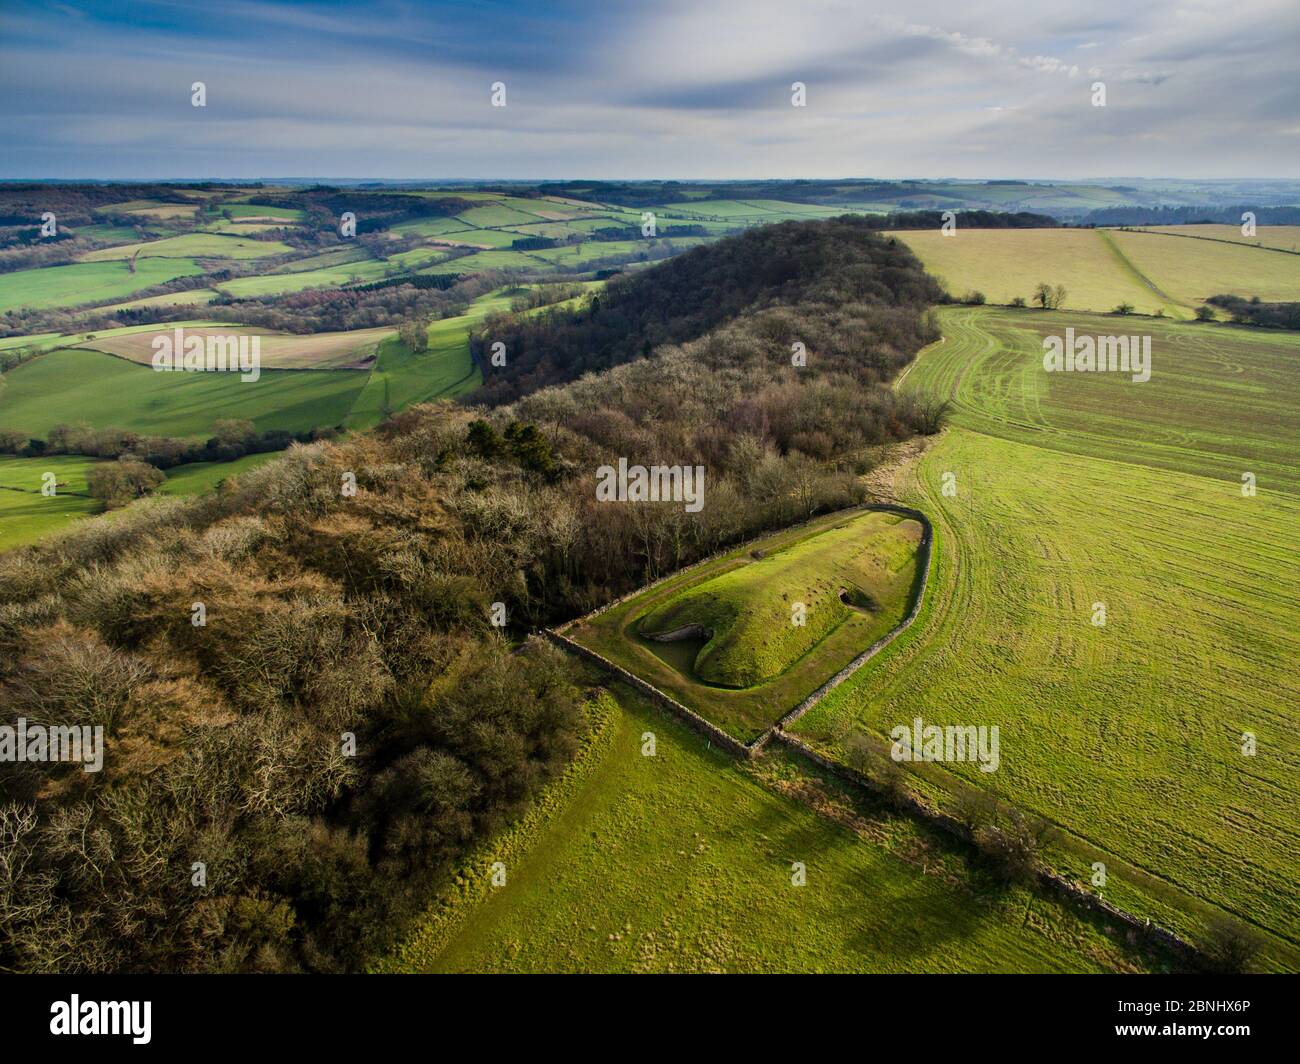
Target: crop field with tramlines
[{"x": 1114, "y": 591}]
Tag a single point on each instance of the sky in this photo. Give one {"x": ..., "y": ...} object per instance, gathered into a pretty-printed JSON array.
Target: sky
[{"x": 700, "y": 89}]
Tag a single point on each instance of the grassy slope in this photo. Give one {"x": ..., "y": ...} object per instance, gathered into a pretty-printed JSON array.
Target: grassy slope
[
  {"x": 401, "y": 377},
  {"x": 329, "y": 277},
  {"x": 1129, "y": 734},
  {"x": 1286, "y": 237},
  {"x": 743, "y": 713},
  {"x": 1193, "y": 270},
  {"x": 70, "y": 386},
  {"x": 193, "y": 245},
  {"x": 87, "y": 282},
  {"x": 1005, "y": 263},
  {"x": 682, "y": 862},
  {"x": 198, "y": 477},
  {"x": 749, "y": 609},
  {"x": 25, "y": 514}
]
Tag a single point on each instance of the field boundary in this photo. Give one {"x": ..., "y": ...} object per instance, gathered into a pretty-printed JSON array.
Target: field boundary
[
  {"x": 1068, "y": 889},
  {"x": 1214, "y": 239},
  {"x": 923, "y": 577},
  {"x": 689, "y": 717},
  {"x": 1127, "y": 264},
  {"x": 910, "y": 804},
  {"x": 701, "y": 724}
]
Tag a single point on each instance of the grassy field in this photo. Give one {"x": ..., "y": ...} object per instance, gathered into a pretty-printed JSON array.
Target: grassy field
[
  {"x": 1009, "y": 263},
  {"x": 577, "y": 256},
  {"x": 1077, "y": 493},
  {"x": 152, "y": 209},
  {"x": 1100, "y": 269},
  {"x": 257, "y": 210},
  {"x": 1221, "y": 400},
  {"x": 681, "y": 862},
  {"x": 1191, "y": 271},
  {"x": 198, "y": 477},
  {"x": 197, "y": 297},
  {"x": 493, "y": 260},
  {"x": 401, "y": 377},
  {"x": 749, "y": 609},
  {"x": 120, "y": 234},
  {"x": 71, "y": 386},
  {"x": 1285, "y": 237},
  {"x": 87, "y": 282},
  {"x": 747, "y": 712},
  {"x": 333, "y": 350},
  {"x": 495, "y": 214},
  {"x": 25, "y": 514},
  {"x": 329, "y": 277},
  {"x": 194, "y": 246}
]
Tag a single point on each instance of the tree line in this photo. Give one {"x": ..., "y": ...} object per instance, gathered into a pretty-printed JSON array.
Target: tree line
[{"x": 299, "y": 675}]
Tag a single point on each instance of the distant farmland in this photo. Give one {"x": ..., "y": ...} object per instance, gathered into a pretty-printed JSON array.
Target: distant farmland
[
  {"x": 193, "y": 245},
  {"x": 336, "y": 350},
  {"x": 1151, "y": 270},
  {"x": 87, "y": 282},
  {"x": 76, "y": 380}
]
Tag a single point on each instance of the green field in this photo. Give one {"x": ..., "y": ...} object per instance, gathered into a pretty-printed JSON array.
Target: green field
[
  {"x": 749, "y": 610},
  {"x": 330, "y": 277},
  {"x": 493, "y": 260},
  {"x": 87, "y": 282},
  {"x": 121, "y": 234},
  {"x": 71, "y": 386},
  {"x": 25, "y": 514},
  {"x": 257, "y": 210},
  {"x": 194, "y": 246},
  {"x": 1283, "y": 237},
  {"x": 1008, "y": 263},
  {"x": 681, "y": 862},
  {"x": 197, "y": 297},
  {"x": 496, "y": 214},
  {"x": 1078, "y": 490},
  {"x": 198, "y": 477},
  {"x": 1100, "y": 269},
  {"x": 1191, "y": 271},
  {"x": 400, "y": 377},
  {"x": 813, "y": 565},
  {"x": 1221, "y": 400}
]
